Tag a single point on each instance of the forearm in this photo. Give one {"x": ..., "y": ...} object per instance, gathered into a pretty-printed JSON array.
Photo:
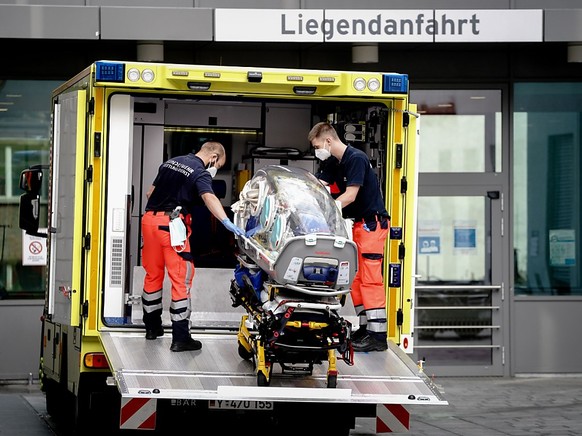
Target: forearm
[
  {"x": 214, "y": 206},
  {"x": 348, "y": 196}
]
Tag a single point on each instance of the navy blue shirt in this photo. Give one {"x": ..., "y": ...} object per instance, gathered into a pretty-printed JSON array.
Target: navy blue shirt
[
  {"x": 355, "y": 170},
  {"x": 180, "y": 182}
]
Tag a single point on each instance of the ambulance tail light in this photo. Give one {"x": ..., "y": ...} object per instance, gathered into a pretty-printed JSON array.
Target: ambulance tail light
[
  {"x": 96, "y": 361},
  {"x": 395, "y": 83}
]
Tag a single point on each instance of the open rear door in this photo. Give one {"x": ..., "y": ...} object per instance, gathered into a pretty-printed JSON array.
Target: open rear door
[{"x": 65, "y": 232}]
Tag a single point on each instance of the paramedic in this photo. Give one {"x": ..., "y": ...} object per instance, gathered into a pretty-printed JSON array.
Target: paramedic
[
  {"x": 361, "y": 199},
  {"x": 179, "y": 182}
]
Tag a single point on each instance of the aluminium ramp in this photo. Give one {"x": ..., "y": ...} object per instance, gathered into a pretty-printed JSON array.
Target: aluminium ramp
[{"x": 148, "y": 369}]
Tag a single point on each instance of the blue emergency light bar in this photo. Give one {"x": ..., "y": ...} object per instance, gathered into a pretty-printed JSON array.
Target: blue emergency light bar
[
  {"x": 395, "y": 83},
  {"x": 109, "y": 72}
]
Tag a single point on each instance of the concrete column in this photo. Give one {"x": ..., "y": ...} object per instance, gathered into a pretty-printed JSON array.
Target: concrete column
[
  {"x": 575, "y": 52},
  {"x": 150, "y": 51},
  {"x": 364, "y": 53}
]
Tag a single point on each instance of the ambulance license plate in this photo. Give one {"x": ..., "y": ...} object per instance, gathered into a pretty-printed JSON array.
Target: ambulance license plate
[{"x": 240, "y": 405}]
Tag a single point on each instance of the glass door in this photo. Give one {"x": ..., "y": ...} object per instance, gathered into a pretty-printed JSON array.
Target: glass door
[
  {"x": 459, "y": 289},
  {"x": 463, "y": 257}
]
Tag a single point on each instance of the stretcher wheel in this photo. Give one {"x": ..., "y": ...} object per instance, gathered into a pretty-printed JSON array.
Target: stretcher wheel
[
  {"x": 331, "y": 381},
  {"x": 262, "y": 379},
  {"x": 243, "y": 352}
]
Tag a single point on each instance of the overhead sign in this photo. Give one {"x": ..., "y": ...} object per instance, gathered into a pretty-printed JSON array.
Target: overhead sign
[{"x": 343, "y": 25}]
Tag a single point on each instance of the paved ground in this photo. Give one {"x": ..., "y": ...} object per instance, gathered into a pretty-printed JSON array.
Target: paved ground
[
  {"x": 480, "y": 406},
  {"x": 504, "y": 406}
]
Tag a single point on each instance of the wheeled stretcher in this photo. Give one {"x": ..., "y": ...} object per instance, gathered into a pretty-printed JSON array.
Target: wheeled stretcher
[{"x": 296, "y": 266}]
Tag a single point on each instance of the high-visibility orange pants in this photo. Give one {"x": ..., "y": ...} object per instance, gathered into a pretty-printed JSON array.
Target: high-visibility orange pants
[
  {"x": 158, "y": 255},
  {"x": 368, "y": 294}
]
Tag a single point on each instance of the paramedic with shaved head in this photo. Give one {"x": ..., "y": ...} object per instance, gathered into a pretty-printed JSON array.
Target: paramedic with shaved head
[
  {"x": 178, "y": 185},
  {"x": 361, "y": 199}
]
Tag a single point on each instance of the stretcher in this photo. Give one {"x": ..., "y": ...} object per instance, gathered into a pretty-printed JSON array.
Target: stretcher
[{"x": 296, "y": 264}]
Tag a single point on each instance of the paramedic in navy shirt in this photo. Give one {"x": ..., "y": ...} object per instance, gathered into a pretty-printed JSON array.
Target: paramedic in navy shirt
[
  {"x": 361, "y": 199},
  {"x": 180, "y": 181}
]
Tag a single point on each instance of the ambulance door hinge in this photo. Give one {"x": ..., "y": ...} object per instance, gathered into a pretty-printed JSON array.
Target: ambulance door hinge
[
  {"x": 398, "y": 159},
  {"x": 405, "y": 119},
  {"x": 97, "y": 144},
  {"x": 401, "y": 251},
  {"x": 87, "y": 241},
  {"x": 91, "y": 106},
  {"x": 399, "y": 317},
  {"x": 132, "y": 299},
  {"x": 89, "y": 174},
  {"x": 85, "y": 309},
  {"x": 403, "y": 185}
]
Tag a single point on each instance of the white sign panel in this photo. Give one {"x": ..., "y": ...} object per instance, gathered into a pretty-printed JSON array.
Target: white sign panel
[
  {"x": 562, "y": 247},
  {"x": 429, "y": 237},
  {"x": 33, "y": 249},
  {"x": 507, "y": 25},
  {"x": 377, "y": 26},
  {"x": 393, "y": 25},
  {"x": 268, "y": 25}
]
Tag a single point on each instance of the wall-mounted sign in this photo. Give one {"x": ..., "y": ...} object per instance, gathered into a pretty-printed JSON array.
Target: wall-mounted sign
[
  {"x": 465, "y": 236},
  {"x": 562, "y": 247},
  {"x": 429, "y": 237},
  {"x": 33, "y": 249},
  {"x": 369, "y": 25}
]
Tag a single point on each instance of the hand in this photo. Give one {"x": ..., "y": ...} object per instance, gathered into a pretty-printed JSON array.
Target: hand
[{"x": 234, "y": 229}]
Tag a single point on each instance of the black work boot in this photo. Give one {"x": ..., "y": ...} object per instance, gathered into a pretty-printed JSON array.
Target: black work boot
[
  {"x": 153, "y": 324},
  {"x": 181, "y": 340},
  {"x": 370, "y": 342},
  {"x": 359, "y": 334}
]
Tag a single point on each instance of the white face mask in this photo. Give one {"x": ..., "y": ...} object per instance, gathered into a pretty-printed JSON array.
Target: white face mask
[
  {"x": 322, "y": 153},
  {"x": 212, "y": 171}
]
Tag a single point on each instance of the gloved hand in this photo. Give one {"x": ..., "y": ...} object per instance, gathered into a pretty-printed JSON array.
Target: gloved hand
[
  {"x": 250, "y": 233},
  {"x": 234, "y": 229}
]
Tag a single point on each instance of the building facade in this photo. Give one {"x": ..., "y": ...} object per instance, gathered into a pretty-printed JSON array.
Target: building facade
[{"x": 499, "y": 91}]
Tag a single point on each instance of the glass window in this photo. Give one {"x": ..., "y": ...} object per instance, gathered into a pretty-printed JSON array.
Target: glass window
[
  {"x": 460, "y": 130},
  {"x": 547, "y": 196},
  {"x": 24, "y": 141}
]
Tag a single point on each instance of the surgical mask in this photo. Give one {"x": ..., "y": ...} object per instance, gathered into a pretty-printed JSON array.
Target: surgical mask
[
  {"x": 322, "y": 153},
  {"x": 212, "y": 171}
]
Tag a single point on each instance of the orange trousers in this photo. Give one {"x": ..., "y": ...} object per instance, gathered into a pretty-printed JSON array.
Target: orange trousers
[
  {"x": 158, "y": 255},
  {"x": 368, "y": 293}
]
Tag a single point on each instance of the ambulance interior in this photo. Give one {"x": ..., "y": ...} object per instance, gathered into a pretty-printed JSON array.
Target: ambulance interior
[{"x": 254, "y": 133}]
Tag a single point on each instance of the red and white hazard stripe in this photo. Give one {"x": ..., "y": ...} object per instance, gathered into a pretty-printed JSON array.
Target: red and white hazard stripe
[
  {"x": 138, "y": 414},
  {"x": 392, "y": 418}
]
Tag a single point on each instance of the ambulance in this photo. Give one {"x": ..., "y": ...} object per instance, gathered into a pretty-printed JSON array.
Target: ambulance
[{"x": 113, "y": 125}]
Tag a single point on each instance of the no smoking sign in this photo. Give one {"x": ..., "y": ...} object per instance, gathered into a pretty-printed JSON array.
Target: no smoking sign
[{"x": 33, "y": 249}]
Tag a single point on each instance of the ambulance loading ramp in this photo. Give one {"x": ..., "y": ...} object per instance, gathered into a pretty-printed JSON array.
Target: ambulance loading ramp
[{"x": 148, "y": 369}]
